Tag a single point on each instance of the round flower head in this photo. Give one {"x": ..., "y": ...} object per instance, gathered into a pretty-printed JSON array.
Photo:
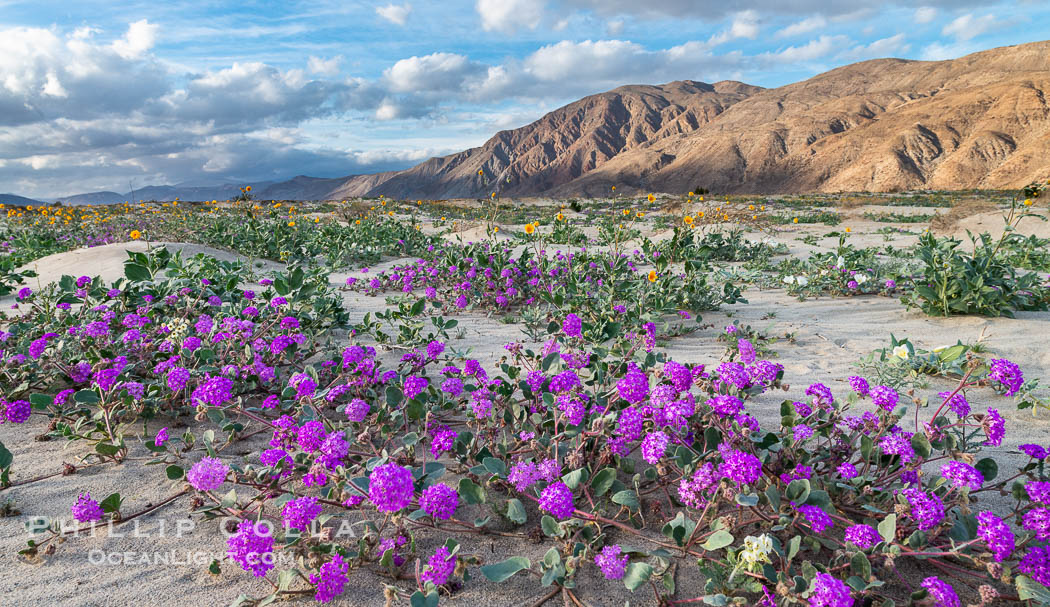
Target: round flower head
[
  {"x": 885, "y": 397},
  {"x": 633, "y": 387},
  {"x": 439, "y": 501},
  {"x": 996, "y": 534},
  {"x": 994, "y": 428},
  {"x": 864, "y": 536},
  {"x": 18, "y": 412},
  {"x": 740, "y": 467},
  {"x": 1036, "y": 563},
  {"x": 956, "y": 402},
  {"x": 86, "y": 510},
  {"x": 943, "y": 595},
  {"x": 1038, "y": 491},
  {"x": 830, "y": 592},
  {"x": 926, "y": 508},
  {"x": 330, "y": 579},
  {"x": 612, "y": 564},
  {"x": 654, "y": 446},
  {"x": 390, "y": 487},
  {"x": 572, "y": 326},
  {"x": 1007, "y": 374},
  {"x": 300, "y": 512},
  {"x": 207, "y": 474},
  {"x": 161, "y": 438},
  {"x": 357, "y": 410},
  {"x": 818, "y": 519},
  {"x": 859, "y": 385},
  {"x": 440, "y": 567},
  {"x": 962, "y": 475},
  {"x": 556, "y": 499},
  {"x": 251, "y": 547},
  {"x": 1038, "y": 520}
]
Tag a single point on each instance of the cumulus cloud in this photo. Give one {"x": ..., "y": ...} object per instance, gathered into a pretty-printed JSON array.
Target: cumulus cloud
[
  {"x": 925, "y": 14},
  {"x": 394, "y": 13},
  {"x": 743, "y": 25},
  {"x": 968, "y": 26},
  {"x": 324, "y": 67},
  {"x": 814, "y": 49},
  {"x": 510, "y": 15},
  {"x": 884, "y": 47},
  {"x": 140, "y": 38},
  {"x": 803, "y": 27},
  {"x": 44, "y": 75},
  {"x": 431, "y": 73}
]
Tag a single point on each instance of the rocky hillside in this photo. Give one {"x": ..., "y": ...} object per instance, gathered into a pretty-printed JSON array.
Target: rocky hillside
[{"x": 980, "y": 121}]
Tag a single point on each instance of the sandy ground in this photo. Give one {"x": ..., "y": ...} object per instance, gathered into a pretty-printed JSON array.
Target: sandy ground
[{"x": 829, "y": 336}]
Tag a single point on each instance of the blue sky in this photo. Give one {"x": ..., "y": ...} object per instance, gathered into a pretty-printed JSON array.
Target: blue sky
[{"x": 97, "y": 95}]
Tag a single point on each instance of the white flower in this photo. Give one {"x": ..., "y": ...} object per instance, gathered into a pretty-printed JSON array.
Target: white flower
[
  {"x": 901, "y": 352},
  {"x": 803, "y": 281},
  {"x": 756, "y": 550},
  {"x": 940, "y": 349},
  {"x": 789, "y": 280},
  {"x": 861, "y": 278},
  {"x": 840, "y": 261}
]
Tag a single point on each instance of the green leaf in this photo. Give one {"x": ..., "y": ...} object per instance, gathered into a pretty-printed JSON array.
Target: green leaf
[
  {"x": 798, "y": 490},
  {"x": 637, "y": 574},
  {"x": 174, "y": 472},
  {"x": 988, "y": 468},
  {"x": 419, "y": 600},
  {"x": 137, "y": 273},
  {"x": 6, "y": 457},
  {"x": 111, "y": 503},
  {"x": 603, "y": 481},
  {"x": 719, "y": 539},
  {"x": 573, "y": 479},
  {"x": 888, "y": 528},
  {"x": 550, "y": 527},
  {"x": 718, "y": 600},
  {"x": 471, "y": 492},
  {"x": 107, "y": 449},
  {"x": 627, "y": 498},
  {"x": 41, "y": 400},
  {"x": 860, "y": 566},
  {"x": 495, "y": 466},
  {"x": 516, "y": 511},
  {"x": 921, "y": 444},
  {"x": 499, "y": 572},
  {"x": 87, "y": 397},
  {"x": 1030, "y": 590}
]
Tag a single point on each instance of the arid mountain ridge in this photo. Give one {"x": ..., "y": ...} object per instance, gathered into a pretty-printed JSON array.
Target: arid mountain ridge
[{"x": 980, "y": 121}]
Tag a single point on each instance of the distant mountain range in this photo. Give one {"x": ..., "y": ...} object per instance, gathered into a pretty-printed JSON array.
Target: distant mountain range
[
  {"x": 980, "y": 121},
  {"x": 18, "y": 200}
]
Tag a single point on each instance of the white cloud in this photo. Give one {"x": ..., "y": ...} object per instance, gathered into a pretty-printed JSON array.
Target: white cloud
[
  {"x": 614, "y": 27},
  {"x": 744, "y": 25},
  {"x": 894, "y": 46},
  {"x": 324, "y": 67},
  {"x": 803, "y": 27},
  {"x": 509, "y": 15},
  {"x": 431, "y": 73},
  {"x": 394, "y": 13},
  {"x": 967, "y": 26},
  {"x": 938, "y": 52},
  {"x": 814, "y": 49},
  {"x": 925, "y": 14},
  {"x": 140, "y": 38}
]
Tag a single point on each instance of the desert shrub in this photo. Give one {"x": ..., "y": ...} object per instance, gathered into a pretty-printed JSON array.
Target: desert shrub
[
  {"x": 848, "y": 270},
  {"x": 953, "y": 281}
]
